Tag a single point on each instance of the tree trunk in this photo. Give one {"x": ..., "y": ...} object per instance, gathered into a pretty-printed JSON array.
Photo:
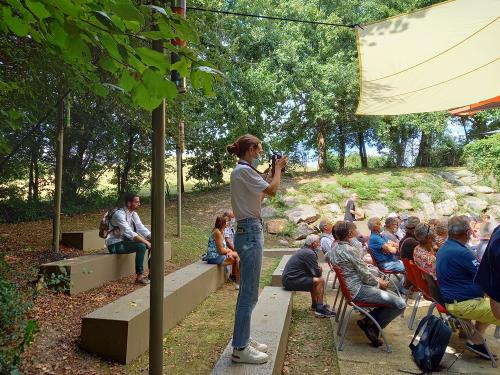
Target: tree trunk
[
  {"x": 342, "y": 148},
  {"x": 423, "y": 156},
  {"x": 31, "y": 178},
  {"x": 321, "y": 145},
  {"x": 362, "y": 150}
]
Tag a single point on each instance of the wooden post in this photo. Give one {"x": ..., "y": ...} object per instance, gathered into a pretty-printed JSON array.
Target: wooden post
[
  {"x": 56, "y": 221},
  {"x": 180, "y": 150}
]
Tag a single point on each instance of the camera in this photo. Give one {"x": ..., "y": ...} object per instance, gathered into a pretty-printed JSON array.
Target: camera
[{"x": 274, "y": 157}]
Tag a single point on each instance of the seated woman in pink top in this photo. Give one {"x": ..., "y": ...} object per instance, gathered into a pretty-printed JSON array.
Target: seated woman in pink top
[{"x": 424, "y": 254}]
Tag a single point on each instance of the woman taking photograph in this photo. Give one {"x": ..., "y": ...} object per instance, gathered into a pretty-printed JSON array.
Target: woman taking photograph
[
  {"x": 248, "y": 187},
  {"x": 218, "y": 251}
]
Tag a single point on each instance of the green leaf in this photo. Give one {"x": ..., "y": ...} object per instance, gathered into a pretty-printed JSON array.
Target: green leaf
[
  {"x": 127, "y": 81},
  {"x": 182, "y": 66},
  {"x": 110, "y": 45},
  {"x": 100, "y": 89},
  {"x": 141, "y": 98},
  {"x": 184, "y": 31},
  {"x": 57, "y": 35},
  {"x": 126, "y": 10},
  {"x": 158, "y": 86},
  {"x": 153, "y": 58},
  {"x": 133, "y": 25},
  {"x": 118, "y": 22},
  {"x": 108, "y": 64},
  {"x": 157, "y": 35},
  {"x": 66, "y": 6},
  {"x": 38, "y": 9},
  {"x": 202, "y": 79},
  {"x": 15, "y": 24},
  {"x": 105, "y": 20},
  {"x": 157, "y": 9},
  {"x": 77, "y": 50}
]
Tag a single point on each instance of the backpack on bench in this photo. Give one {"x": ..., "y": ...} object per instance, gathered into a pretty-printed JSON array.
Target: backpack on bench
[
  {"x": 434, "y": 338},
  {"x": 106, "y": 223}
]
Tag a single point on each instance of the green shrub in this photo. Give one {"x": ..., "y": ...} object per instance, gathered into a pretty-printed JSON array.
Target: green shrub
[
  {"x": 277, "y": 201},
  {"x": 483, "y": 156},
  {"x": 16, "y": 332},
  {"x": 289, "y": 229}
]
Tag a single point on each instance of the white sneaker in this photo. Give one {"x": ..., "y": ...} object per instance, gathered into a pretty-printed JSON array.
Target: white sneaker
[
  {"x": 257, "y": 345},
  {"x": 249, "y": 355},
  {"x": 236, "y": 286}
]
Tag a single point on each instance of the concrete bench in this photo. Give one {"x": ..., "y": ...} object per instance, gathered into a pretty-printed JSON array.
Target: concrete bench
[
  {"x": 278, "y": 272},
  {"x": 120, "y": 330},
  {"x": 90, "y": 271},
  {"x": 270, "y": 323},
  {"x": 86, "y": 240}
]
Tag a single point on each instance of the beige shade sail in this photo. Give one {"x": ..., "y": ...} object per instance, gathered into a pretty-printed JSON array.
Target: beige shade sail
[{"x": 441, "y": 57}]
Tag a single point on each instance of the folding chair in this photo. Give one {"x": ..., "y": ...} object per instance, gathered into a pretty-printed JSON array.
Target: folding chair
[
  {"x": 413, "y": 279},
  {"x": 455, "y": 321},
  {"x": 361, "y": 307}
]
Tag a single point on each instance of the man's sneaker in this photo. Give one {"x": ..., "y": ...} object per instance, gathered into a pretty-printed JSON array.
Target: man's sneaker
[
  {"x": 257, "y": 345},
  {"x": 371, "y": 332},
  {"x": 479, "y": 349},
  {"x": 142, "y": 281},
  {"x": 313, "y": 307},
  {"x": 236, "y": 286},
  {"x": 323, "y": 312},
  {"x": 249, "y": 355}
]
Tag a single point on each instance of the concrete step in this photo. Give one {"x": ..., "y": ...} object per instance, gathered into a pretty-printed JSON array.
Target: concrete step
[
  {"x": 90, "y": 271},
  {"x": 278, "y": 272},
  {"x": 270, "y": 323},
  {"x": 86, "y": 240},
  {"x": 120, "y": 330}
]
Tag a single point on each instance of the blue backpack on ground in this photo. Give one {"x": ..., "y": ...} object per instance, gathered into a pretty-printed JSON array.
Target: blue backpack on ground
[{"x": 434, "y": 338}]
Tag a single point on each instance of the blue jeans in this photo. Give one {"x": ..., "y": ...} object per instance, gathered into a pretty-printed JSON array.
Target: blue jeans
[
  {"x": 249, "y": 243},
  {"x": 393, "y": 265}
]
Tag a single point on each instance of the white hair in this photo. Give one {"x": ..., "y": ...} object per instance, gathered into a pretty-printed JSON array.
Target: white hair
[{"x": 310, "y": 239}]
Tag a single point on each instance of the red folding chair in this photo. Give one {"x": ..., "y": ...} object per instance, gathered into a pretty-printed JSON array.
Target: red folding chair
[
  {"x": 413, "y": 279},
  {"x": 361, "y": 307},
  {"x": 450, "y": 319}
]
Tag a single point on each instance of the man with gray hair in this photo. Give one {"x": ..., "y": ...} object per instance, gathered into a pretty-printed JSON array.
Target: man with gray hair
[
  {"x": 456, "y": 268},
  {"x": 326, "y": 236},
  {"x": 303, "y": 273}
]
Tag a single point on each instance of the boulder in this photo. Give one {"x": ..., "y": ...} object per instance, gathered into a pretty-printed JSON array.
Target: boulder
[
  {"x": 276, "y": 226},
  {"x": 469, "y": 180},
  {"x": 283, "y": 242},
  {"x": 483, "y": 189},
  {"x": 450, "y": 194},
  {"x": 302, "y": 231},
  {"x": 463, "y": 173},
  {"x": 290, "y": 190},
  {"x": 375, "y": 209},
  {"x": 403, "y": 205},
  {"x": 464, "y": 190},
  {"x": 449, "y": 177},
  {"x": 447, "y": 207},
  {"x": 494, "y": 211},
  {"x": 319, "y": 198},
  {"x": 428, "y": 209},
  {"x": 302, "y": 213},
  {"x": 424, "y": 198},
  {"x": 476, "y": 205},
  {"x": 268, "y": 212},
  {"x": 333, "y": 208},
  {"x": 290, "y": 201}
]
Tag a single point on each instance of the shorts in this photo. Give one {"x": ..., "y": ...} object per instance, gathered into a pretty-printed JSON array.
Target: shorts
[
  {"x": 477, "y": 309},
  {"x": 219, "y": 260},
  {"x": 301, "y": 284}
]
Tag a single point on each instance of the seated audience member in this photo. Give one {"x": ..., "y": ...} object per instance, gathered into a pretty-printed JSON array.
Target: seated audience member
[
  {"x": 326, "y": 236},
  {"x": 456, "y": 269},
  {"x": 488, "y": 275},
  {"x": 128, "y": 235},
  {"x": 303, "y": 273},
  {"x": 385, "y": 252},
  {"x": 401, "y": 232},
  {"x": 219, "y": 253},
  {"x": 408, "y": 243},
  {"x": 424, "y": 255},
  {"x": 229, "y": 231},
  {"x": 354, "y": 241},
  {"x": 440, "y": 234},
  {"x": 363, "y": 286},
  {"x": 485, "y": 232},
  {"x": 391, "y": 227},
  {"x": 473, "y": 242}
]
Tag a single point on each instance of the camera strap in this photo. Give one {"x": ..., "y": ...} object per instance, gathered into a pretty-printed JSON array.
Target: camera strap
[{"x": 241, "y": 162}]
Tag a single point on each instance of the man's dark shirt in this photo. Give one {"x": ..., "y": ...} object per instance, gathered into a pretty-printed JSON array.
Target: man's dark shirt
[
  {"x": 348, "y": 208},
  {"x": 304, "y": 263},
  {"x": 407, "y": 245},
  {"x": 488, "y": 275}
]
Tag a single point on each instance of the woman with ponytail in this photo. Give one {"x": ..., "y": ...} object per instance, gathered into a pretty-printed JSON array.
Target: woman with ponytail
[{"x": 248, "y": 188}]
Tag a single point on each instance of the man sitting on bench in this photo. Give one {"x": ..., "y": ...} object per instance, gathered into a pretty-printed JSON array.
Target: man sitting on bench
[
  {"x": 128, "y": 235},
  {"x": 303, "y": 273}
]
